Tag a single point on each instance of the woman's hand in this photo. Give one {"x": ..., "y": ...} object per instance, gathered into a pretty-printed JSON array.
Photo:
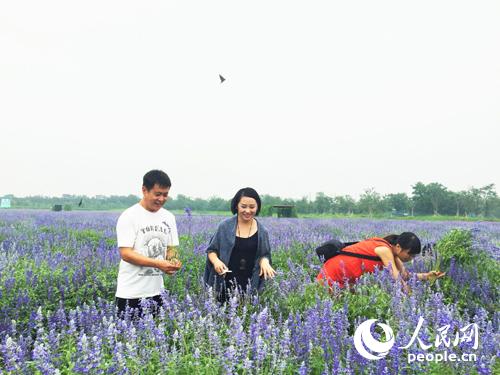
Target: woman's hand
[
  {"x": 220, "y": 267},
  {"x": 434, "y": 275},
  {"x": 266, "y": 270}
]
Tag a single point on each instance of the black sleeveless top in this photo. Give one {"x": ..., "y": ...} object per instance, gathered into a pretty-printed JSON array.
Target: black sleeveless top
[{"x": 242, "y": 261}]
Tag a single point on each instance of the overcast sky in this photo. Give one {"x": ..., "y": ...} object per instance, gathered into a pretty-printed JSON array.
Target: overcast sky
[{"x": 331, "y": 96}]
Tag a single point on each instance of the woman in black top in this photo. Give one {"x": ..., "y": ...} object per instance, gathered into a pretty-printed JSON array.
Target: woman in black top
[
  {"x": 242, "y": 261},
  {"x": 239, "y": 254}
]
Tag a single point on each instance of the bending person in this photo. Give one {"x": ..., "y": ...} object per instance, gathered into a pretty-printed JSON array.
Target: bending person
[
  {"x": 239, "y": 254},
  {"x": 393, "y": 250}
]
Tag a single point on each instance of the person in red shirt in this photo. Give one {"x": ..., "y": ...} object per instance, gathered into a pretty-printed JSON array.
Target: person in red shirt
[{"x": 392, "y": 251}]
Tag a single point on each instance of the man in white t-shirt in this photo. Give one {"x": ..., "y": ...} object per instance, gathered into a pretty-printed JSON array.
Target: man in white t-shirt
[{"x": 146, "y": 232}]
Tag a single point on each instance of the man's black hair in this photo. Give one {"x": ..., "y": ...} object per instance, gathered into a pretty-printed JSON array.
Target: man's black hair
[
  {"x": 245, "y": 192},
  {"x": 154, "y": 177}
]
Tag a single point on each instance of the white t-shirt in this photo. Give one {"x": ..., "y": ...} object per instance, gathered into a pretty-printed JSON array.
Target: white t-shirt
[{"x": 148, "y": 233}]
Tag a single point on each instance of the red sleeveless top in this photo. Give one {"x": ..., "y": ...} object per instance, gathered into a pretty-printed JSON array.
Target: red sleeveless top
[{"x": 342, "y": 267}]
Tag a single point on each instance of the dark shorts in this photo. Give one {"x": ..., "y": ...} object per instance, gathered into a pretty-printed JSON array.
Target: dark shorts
[{"x": 135, "y": 304}]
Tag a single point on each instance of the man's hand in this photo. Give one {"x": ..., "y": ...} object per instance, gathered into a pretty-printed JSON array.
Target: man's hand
[
  {"x": 175, "y": 262},
  {"x": 130, "y": 256},
  {"x": 169, "y": 267}
]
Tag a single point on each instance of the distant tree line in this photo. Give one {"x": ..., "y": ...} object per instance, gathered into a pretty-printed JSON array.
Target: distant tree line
[
  {"x": 426, "y": 199},
  {"x": 72, "y": 202}
]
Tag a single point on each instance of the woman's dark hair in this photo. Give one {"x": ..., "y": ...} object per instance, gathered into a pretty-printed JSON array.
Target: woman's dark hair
[
  {"x": 154, "y": 177},
  {"x": 407, "y": 241},
  {"x": 245, "y": 192}
]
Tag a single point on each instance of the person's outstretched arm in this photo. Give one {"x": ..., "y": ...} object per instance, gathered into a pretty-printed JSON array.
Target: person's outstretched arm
[
  {"x": 405, "y": 274},
  {"x": 431, "y": 275}
]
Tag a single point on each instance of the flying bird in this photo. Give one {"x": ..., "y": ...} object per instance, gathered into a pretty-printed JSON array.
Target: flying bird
[
  {"x": 81, "y": 202},
  {"x": 222, "y": 79}
]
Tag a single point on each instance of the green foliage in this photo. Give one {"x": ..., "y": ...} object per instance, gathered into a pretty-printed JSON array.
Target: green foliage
[
  {"x": 370, "y": 202},
  {"x": 188, "y": 365},
  {"x": 366, "y": 300},
  {"x": 111, "y": 242},
  {"x": 440, "y": 368},
  {"x": 488, "y": 268},
  {"x": 298, "y": 300},
  {"x": 344, "y": 204},
  {"x": 455, "y": 244},
  {"x": 323, "y": 203},
  {"x": 86, "y": 236},
  {"x": 266, "y": 210},
  {"x": 317, "y": 360},
  {"x": 40, "y": 284},
  {"x": 45, "y": 229},
  {"x": 399, "y": 202},
  {"x": 496, "y": 366},
  {"x": 430, "y": 198},
  {"x": 458, "y": 245}
]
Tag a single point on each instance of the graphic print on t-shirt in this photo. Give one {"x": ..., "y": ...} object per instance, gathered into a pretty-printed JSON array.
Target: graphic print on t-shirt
[{"x": 152, "y": 242}]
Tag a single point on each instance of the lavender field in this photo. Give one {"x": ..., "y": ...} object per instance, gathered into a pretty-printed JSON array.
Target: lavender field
[{"x": 57, "y": 314}]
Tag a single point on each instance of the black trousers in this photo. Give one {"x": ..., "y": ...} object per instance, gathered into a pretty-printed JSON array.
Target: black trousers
[{"x": 135, "y": 303}]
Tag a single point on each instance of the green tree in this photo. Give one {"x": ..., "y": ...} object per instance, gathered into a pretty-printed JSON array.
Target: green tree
[
  {"x": 344, "y": 204},
  {"x": 303, "y": 205},
  {"x": 218, "y": 204},
  {"x": 489, "y": 196},
  {"x": 370, "y": 202},
  {"x": 400, "y": 202},
  {"x": 323, "y": 203},
  {"x": 422, "y": 204},
  {"x": 270, "y": 200},
  {"x": 437, "y": 194},
  {"x": 180, "y": 202},
  {"x": 429, "y": 197},
  {"x": 460, "y": 199}
]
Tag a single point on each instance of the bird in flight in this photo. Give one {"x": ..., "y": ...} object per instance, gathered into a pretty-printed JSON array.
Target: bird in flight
[{"x": 222, "y": 79}]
